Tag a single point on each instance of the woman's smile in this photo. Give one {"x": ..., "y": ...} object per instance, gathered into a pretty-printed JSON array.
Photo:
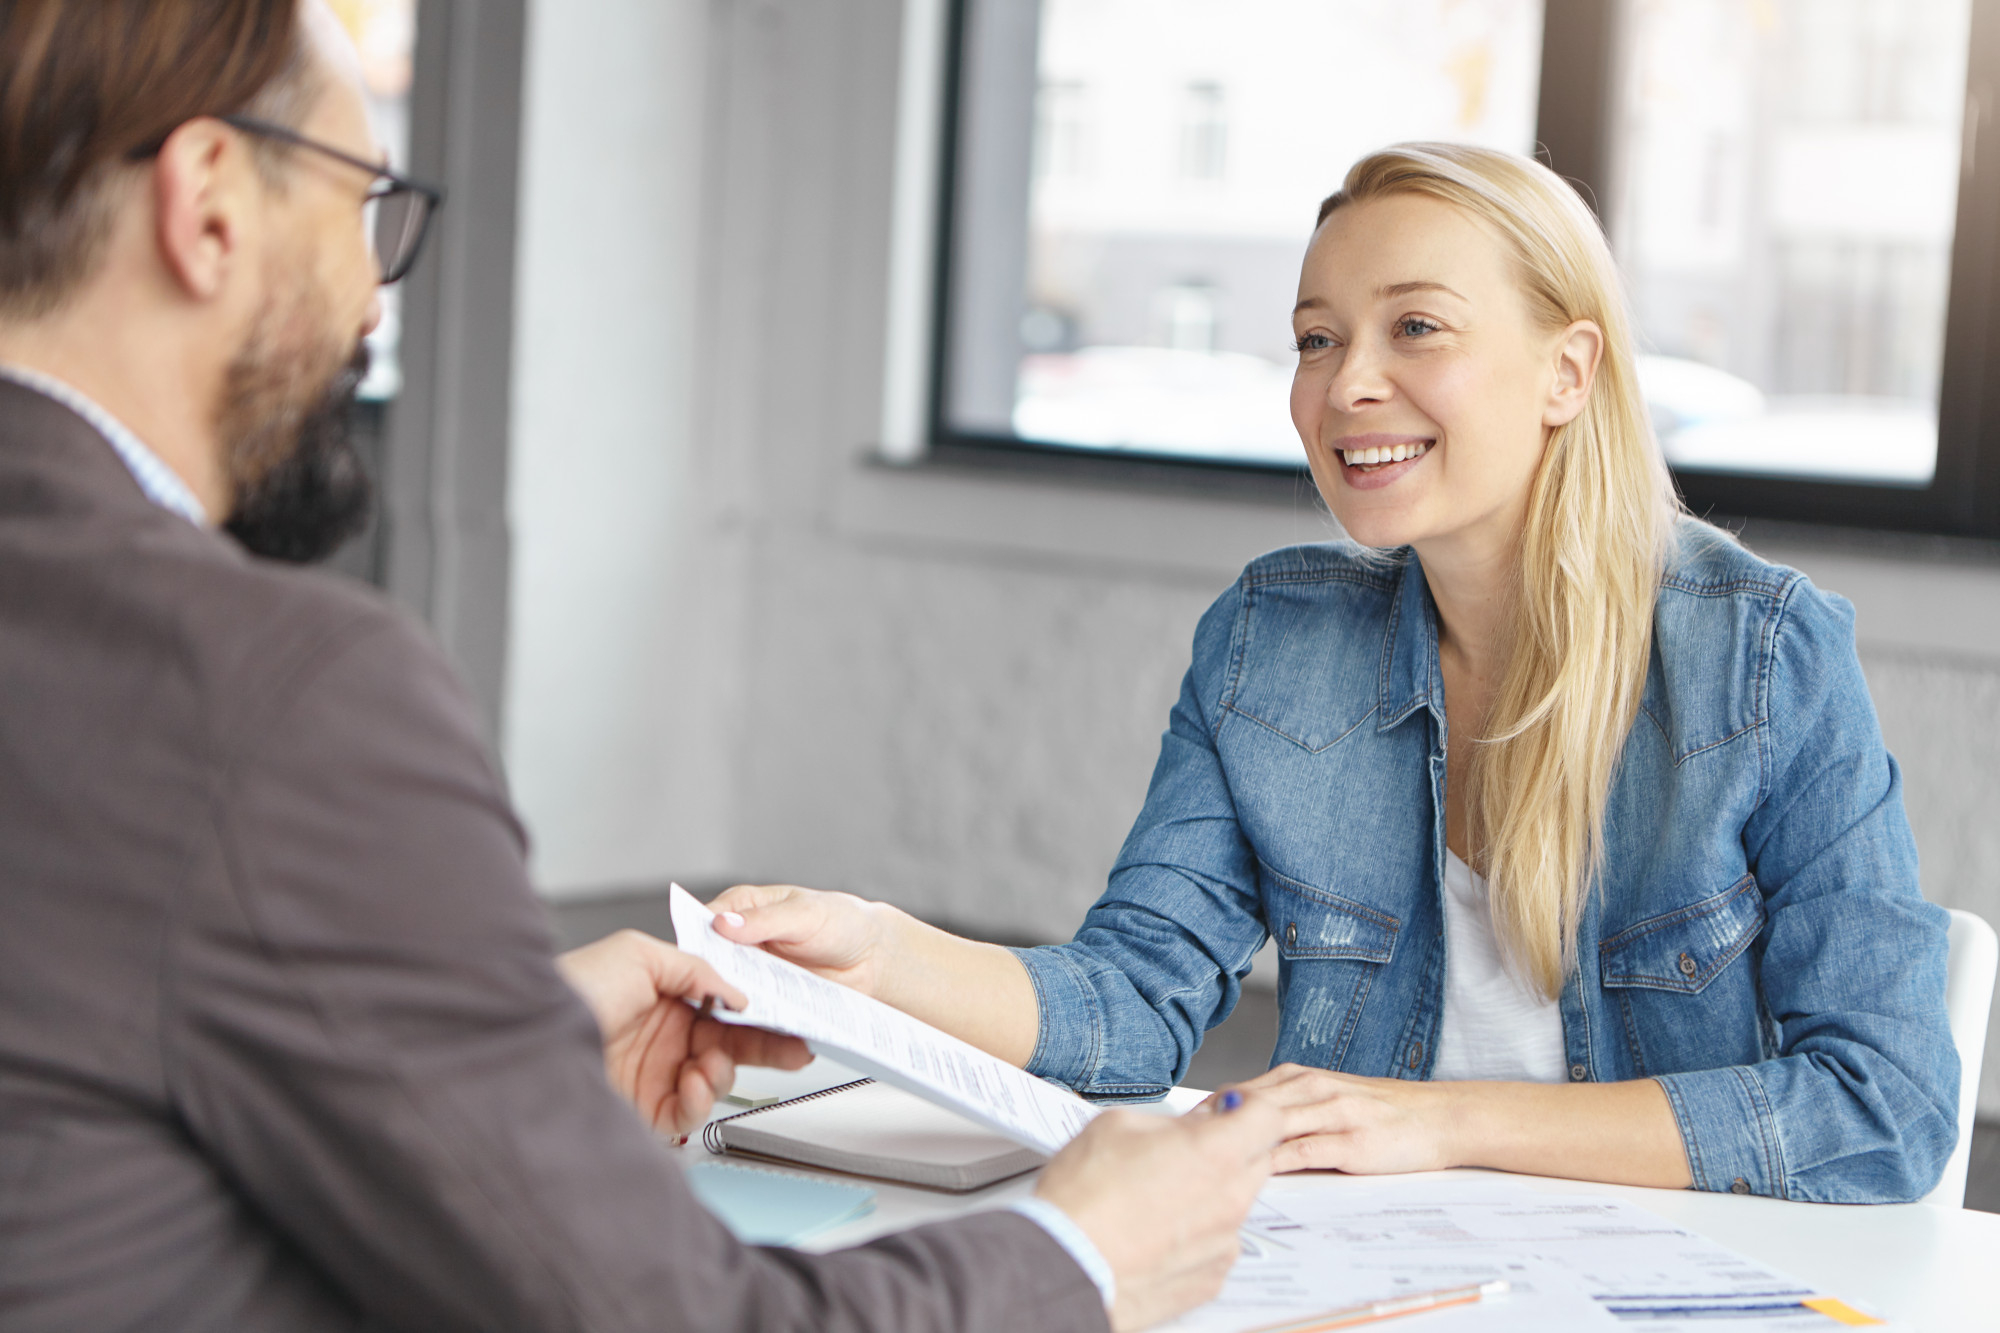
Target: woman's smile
[{"x": 1370, "y": 462}]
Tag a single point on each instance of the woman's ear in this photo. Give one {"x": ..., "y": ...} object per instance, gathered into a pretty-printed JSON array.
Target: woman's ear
[{"x": 1578, "y": 352}]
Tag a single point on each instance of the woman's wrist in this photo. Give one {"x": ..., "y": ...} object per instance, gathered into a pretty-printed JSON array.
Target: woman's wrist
[
  {"x": 887, "y": 950},
  {"x": 1620, "y": 1132},
  {"x": 977, "y": 992},
  {"x": 1459, "y": 1116}
]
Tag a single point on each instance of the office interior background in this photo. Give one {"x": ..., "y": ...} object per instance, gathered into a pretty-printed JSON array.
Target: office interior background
[{"x": 821, "y": 422}]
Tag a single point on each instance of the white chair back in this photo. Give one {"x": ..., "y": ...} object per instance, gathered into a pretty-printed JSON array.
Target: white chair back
[{"x": 1974, "y": 956}]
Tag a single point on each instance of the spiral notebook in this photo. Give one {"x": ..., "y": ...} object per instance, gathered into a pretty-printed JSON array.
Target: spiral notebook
[{"x": 865, "y": 1128}]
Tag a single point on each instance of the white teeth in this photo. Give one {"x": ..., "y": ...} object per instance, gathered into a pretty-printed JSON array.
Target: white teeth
[{"x": 1388, "y": 454}]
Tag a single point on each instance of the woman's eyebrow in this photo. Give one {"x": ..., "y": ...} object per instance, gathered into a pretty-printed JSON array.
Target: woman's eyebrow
[
  {"x": 1405, "y": 288},
  {"x": 1394, "y": 289}
]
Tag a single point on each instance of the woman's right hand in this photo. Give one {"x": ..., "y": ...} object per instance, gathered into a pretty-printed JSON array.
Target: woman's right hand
[{"x": 837, "y": 935}]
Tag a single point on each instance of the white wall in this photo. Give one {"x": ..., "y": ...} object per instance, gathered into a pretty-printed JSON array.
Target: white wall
[
  {"x": 741, "y": 648},
  {"x": 613, "y": 584}
]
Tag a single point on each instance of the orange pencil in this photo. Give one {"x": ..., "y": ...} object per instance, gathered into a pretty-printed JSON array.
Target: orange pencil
[{"x": 1392, "y": 1308}]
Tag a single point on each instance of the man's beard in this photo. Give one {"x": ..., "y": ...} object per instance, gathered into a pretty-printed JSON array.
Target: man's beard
[{"x": 301, "y": 490}]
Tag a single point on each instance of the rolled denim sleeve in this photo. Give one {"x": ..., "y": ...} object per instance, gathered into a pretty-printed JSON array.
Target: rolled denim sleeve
[
  {"x": 1860, "y": 1103},
  {"x": 1161, "y": 957}
]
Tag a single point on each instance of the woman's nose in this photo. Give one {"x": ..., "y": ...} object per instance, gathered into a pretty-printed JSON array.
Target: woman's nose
[{"x": 1360, "y": 379}]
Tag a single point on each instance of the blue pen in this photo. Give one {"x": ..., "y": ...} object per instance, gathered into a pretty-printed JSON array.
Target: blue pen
[{"x": 1253, "y": 1241}]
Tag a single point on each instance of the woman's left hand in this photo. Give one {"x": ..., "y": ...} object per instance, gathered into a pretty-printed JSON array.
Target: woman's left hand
[{"x": 1367, "y": 1126}]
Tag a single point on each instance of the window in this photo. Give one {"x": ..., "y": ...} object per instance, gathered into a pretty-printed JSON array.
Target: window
[
  {"x": 1127, "y": 285},
  {"x": 385, "y": 33},
  {"x": 1789, "y": 189},
  {"x": 1783, "y": 182},
  {"x": 1204, "y": 133},
  {"x": 1060, "y": 129}
]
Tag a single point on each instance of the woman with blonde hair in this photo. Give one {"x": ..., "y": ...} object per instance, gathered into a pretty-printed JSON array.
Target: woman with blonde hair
[{"x": 1571, "y": 818}]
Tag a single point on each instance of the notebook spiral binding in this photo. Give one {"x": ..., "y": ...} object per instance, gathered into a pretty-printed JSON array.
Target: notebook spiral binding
[{"x": 711, "y": 1136}]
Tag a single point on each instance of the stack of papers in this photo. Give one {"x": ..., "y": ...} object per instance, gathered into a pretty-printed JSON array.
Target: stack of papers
[
  {"x": 1573, "y": 1261},
  {"x": 865, "y": 1034}
]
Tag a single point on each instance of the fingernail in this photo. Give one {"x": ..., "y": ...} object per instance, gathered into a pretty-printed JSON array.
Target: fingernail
[
  {"x": 1231, "y": 1100},
  {"x": 733, "y": 918}
]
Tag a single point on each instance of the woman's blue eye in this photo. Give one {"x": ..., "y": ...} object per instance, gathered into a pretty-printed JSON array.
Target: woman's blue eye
[
  {"x": 1312, "y": 342},
  {"x": 1413, "y": 326}
]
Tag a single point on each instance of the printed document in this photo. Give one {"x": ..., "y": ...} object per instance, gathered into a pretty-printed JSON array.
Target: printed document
[
  {"x": 1573, "y": 1261},
  {"x": 865, "y": 1034}
]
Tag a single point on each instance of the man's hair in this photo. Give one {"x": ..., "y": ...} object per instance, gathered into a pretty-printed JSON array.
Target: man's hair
[{"x": 88, "y": 87}]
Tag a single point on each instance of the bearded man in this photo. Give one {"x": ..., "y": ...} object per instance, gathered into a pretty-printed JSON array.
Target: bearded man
[{"x": 283, "y": 1045}]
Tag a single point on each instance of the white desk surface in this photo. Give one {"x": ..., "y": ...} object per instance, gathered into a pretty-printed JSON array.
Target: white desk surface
[{"x": 1934, "y": 1269}]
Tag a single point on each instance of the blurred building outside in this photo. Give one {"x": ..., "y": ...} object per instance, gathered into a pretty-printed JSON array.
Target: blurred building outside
[
  {"x": 1181, "y": 153},
  {"x": 1784, "y": 190}
]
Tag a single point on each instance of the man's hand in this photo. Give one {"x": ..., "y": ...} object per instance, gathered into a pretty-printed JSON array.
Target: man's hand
[
  {"x": 1162, "y": 1199},
  {"x": 666, "y": 1057}
]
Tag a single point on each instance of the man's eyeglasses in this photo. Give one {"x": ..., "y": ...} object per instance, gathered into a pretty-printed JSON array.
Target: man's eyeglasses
[{"x": 398, "y": 209}]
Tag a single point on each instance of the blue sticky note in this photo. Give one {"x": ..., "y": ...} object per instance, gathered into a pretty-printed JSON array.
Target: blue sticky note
[{"x": 772, "y": 1207}]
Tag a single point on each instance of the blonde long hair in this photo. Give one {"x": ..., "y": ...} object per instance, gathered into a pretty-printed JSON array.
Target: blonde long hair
[{"x": 1600, "y": 522}]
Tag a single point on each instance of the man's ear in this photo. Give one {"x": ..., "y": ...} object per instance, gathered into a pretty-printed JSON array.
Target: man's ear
[
  {"x": 202, "y": 205},
  {"x": 1578, "y": 353}
]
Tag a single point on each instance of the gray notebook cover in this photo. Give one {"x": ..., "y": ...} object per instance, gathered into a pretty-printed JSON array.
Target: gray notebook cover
[{"x": 867, "y": 1128}]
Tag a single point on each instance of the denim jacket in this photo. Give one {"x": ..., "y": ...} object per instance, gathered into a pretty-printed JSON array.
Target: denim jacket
[{"x": 1757, "y": 944}]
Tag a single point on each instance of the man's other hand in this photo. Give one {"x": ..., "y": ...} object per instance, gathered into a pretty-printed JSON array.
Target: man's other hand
[
  {"x": 1162, "y": 1199},
  {"x": 663, "y": 1054}
]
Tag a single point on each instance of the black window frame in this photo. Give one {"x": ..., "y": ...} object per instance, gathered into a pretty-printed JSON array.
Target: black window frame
[{"x": 1573, "y": 121}]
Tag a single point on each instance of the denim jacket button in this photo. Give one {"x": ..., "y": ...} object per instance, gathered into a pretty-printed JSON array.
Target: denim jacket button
[
  {"x": 1578, "y": 1073},
  {"x": 1291, "y": 932},
  {"x": 1416, "y": 1055},
  {"x": 1739, "y": 1186},
  {"x": 1688, "y": 966}
]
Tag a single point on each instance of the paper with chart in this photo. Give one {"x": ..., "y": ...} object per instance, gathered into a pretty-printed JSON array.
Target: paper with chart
[
  {"x": 865, "y": 1034},
  {"x": 1290, "y": 1269},
  {"x": 1575, "y": 1261}
]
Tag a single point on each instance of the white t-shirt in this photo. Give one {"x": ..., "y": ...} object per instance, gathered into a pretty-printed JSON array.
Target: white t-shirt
[{"x": 1495, "y": 1026}]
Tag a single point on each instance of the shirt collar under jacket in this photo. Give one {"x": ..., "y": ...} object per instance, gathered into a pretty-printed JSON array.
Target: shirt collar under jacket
[{"x": 160, "y": 483}]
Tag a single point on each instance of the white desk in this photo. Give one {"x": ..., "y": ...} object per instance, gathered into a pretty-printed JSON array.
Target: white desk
[{"x": 1936, "y": 1269}]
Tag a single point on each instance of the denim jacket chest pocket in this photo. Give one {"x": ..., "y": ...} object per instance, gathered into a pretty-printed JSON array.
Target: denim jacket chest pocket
[
  {"x": 1300, "y": 678},
  {"x": 1682, "y": 982},
  {"x": 1330, "y": 949}
]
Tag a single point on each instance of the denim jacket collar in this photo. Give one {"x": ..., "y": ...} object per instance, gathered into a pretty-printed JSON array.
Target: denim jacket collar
[{"x": 1410, "y": 676}]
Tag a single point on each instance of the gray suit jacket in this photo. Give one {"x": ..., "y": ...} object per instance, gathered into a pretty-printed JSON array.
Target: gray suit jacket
[{"x": 281, "y": 1042}]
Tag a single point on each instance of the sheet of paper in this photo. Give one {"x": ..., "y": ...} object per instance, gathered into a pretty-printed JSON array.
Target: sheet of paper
[
  {"x": 1576, "y": 1261},
  {"x": 1276, "y": 1286},
  {"x": 1346, "y": 1255},
  {"x": 867, "y": 1035}
]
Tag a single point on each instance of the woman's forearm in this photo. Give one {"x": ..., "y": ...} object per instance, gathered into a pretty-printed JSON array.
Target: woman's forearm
[
  {"x": 979, "y": 993},
  {"x": 1623, "y": 1133}
]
